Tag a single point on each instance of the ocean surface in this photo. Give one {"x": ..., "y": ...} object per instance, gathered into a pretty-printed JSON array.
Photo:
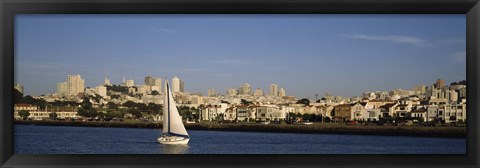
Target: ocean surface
[{"x": 31, "y": 139}]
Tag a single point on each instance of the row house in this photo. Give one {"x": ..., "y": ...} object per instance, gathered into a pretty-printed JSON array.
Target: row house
[
  {"x": 231, "y": 113},
  {"x": 349, "y": 112},
  {"x": 324, "y": 110},
  {"x": 388, "y": 109},
  {"x": 243, "y": 113},
  {"x": 452, "y": 112},
  {"x": 402, "y": 110},
  {"x": 20, "y": 107},
  {"x": 212, "y": 112},
  {"x": 271, "y": 113},
  {"x": 36, "y": 114}
]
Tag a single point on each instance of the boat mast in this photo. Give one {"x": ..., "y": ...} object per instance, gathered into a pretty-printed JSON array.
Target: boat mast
[{"x": 168, "y": 107}]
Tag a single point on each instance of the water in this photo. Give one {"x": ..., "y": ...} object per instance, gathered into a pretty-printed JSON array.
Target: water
[{"x": 30, "y": 139}]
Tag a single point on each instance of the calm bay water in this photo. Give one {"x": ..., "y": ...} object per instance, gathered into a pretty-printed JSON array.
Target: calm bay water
[{"x": 30, "y": 139}]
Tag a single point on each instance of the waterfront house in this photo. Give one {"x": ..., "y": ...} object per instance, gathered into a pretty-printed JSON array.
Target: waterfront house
[
  {"x": 63, "y": 112},
  {"x": 19, "y": 107},
  {"x": 402, "y": 110},
  {"x": 242, "y": 113},
  {"x": 453, "y": 112},
  {"x": 419, "y": 113},
  {"x": 349, "y": 112},
  {"x": 231, "y": 113},
  {"x": 388, "y": 109}
]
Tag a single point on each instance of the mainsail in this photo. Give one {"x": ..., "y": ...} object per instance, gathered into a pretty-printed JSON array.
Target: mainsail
[{"x": 172, "y": 121}]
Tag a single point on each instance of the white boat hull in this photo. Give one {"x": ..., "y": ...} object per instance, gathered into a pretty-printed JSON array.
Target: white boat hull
[{"x": 173, "y": 141}]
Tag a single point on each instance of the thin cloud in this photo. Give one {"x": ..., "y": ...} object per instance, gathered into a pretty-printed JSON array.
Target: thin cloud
[
  {"x": 459, "y": 57},
  {"x": 391, "y": 38},
  {"x": 454, "y": 41}
]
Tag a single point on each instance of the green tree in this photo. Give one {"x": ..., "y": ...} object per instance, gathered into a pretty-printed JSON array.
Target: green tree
[
  {"x": 153, "y": 108},
  {"x": 114, "y": 114},
  {"x": 87, "y": 112},
  {"x": 53, "y": 115},
  {"x": 86, "y": 104},
  {"x": 24, "y": 114},
  {"x": 155, "y": 93},
  {"x": 185, "y": 112},
  {"x": 135, "y": 112},
  {"x": 115, "y": 96},
  {"x": 112, "y": 105},
  {"x": 17, "y": 97},
  {"x": 304, "y": 101},
  {"x": 453, "y": 118},
  {"x": 245, "y": 102},
  {"x": 130, "y": 104}
]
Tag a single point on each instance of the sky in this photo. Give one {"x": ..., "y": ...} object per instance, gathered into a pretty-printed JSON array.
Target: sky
[{"x": 304, "y": 54}]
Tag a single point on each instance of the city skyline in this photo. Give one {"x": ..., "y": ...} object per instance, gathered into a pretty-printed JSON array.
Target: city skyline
[{"x": 305, "y": 55}]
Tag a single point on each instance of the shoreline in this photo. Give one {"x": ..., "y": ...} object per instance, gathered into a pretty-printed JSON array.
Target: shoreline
[{"x": 439, "y": 132}]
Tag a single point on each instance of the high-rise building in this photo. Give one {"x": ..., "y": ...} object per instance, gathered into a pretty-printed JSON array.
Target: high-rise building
[
  {"x": 62, "y": 88},
  {"x": 19, "y": 87},
  {"x": 101, "y": 90},
  {"x": 175, "y": 84},
  {"x": 211, "y": 92},
  {"x": 282, "y": 93},
  {"x": 231, "y": 92},
  {"x": 75, "y": 85},
  {"x": 274, "y": 90},
  {"x": 182, "y": 86},
  {"x": 106, "y": 81},
  {"x": 439, "y": 84},
  {"x": 149, "y": 81},
  {"x": 158, "y": 82},
  {"x": 129, "y": 83},
  {"x": 258, "y": 92},
  {"x": 245, "y": 89},
  {"x": 152, "y": 81}
]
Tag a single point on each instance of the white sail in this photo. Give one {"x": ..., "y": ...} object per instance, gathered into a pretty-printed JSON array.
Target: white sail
[
  {"x": 165, "y": 108},
  {"x": 172, "y": 121}
]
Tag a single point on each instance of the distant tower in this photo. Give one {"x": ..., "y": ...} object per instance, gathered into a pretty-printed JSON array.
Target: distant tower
[
  {"x": 75, "y": 85},
  {"x": 149, "y": 81},
  {"x": 258, "y": 92},
  {"x": 106, "y": 81},
  {"x": 175, "y": 84},
  {"x": 440, "y": 84},
  {"x": 245, "y": 89},
  {"x": 211, "y": 92},
  {"x": 282, "y": 93},
  {"x": 123, "y": 79},
  {"x": 182, "y": 86},
  {"x": 274, "y": 90}
]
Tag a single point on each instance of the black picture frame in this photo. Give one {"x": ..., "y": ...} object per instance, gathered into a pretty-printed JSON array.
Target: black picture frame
[{"x": 9, "y": 8}]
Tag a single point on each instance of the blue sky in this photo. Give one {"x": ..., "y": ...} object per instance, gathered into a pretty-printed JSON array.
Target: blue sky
[{"x": 305, "y": 54}]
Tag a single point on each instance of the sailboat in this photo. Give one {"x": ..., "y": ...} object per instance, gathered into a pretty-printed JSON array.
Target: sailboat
[{"x": 173, "y": 131}]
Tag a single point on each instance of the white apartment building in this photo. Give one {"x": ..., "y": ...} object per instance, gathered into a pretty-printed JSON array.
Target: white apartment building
[
  {"x": 245, "y": 89},
  {"x": 211, "y": 92},
  {"x": 130, "y": 83},
  {"x": 231, "y": 92},
  {"x": 282, "y": 93},
  {"x": 62, "y": 88},
  {"x": 274, "y": 90},
  {"x": 101, "y": 90},
  {"x": 76, "y": 85},
  {"x": 175, "y": 84},
  {"x": 258, "y": 92}
]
